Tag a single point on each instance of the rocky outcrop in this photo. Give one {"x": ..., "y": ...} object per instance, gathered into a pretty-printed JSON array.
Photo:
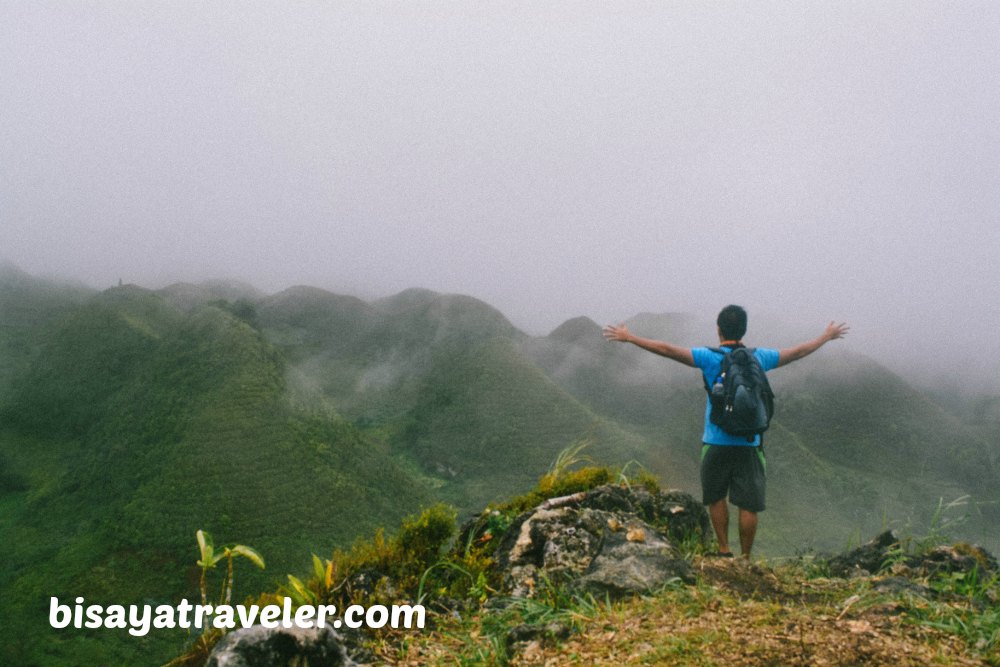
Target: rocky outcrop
[
  {"x": 959, "y": 557},
  {"x": 885, "y": 549},
  {"x": 258, "y": 646},
  {"x": 611, "y": 541},
  {"x": 866, "y": 559}
]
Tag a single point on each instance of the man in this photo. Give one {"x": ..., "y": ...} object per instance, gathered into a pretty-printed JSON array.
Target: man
[{"x": 731, "y": 465}]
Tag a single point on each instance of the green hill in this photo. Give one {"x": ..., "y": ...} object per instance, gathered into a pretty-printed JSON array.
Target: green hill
[
  {"x": 440, "y": 379},
  {"x": 139, "y": 424},
  {"x": 879, "y": 448},
  {"x": 27, "y": 307}
]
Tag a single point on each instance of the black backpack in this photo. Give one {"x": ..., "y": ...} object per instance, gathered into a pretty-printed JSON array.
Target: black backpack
[{"x": 742, "y": 400}]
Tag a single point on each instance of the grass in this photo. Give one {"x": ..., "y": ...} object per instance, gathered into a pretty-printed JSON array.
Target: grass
[
  {"x": 734, "y": 615},
  {"x": 489, "y": 636},
  {"x": 964, "y": 605}
]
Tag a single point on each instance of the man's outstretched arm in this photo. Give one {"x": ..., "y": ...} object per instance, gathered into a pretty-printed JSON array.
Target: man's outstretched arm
[
  {"x": 621, "y": 334},
  {"x": 832, "y": 332}
]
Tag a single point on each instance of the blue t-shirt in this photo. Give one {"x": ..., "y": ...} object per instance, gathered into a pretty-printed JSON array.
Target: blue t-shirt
[{"x": 710, "y": 363}]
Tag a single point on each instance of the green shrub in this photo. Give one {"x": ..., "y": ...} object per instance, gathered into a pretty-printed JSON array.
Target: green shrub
[{"x": 423, "y": 538}]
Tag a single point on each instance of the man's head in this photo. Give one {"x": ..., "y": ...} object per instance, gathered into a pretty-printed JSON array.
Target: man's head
[{"x": 732, "y": 323}]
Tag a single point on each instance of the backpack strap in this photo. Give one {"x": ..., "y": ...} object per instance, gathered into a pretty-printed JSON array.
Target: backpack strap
[
  {"x": 708, "y": 387},
  {"x": 750, "y": 350}
]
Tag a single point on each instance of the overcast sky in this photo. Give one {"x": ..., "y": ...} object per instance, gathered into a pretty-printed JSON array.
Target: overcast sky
[{"x": 811, "y": 160}]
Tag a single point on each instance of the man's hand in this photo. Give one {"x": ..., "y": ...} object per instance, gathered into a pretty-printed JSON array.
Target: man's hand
[
  {"x": 621, "y": 334},
  {"x": 618, "y": 333},
  {"x": 835, "y": 331}
]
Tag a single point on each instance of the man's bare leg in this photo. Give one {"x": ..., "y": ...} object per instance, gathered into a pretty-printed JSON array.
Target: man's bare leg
[
  {"x": 748, "y": 531},
  {"x": 718, "y": 512}
]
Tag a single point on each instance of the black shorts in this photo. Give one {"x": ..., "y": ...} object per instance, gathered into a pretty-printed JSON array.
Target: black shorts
[{"x": 735, "y": 471}]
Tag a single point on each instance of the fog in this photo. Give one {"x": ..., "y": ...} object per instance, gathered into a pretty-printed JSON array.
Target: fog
[{"x": 811, "y": 161}]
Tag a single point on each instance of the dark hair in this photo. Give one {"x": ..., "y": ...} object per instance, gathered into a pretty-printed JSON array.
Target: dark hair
[{"x": 732, "y": 323}]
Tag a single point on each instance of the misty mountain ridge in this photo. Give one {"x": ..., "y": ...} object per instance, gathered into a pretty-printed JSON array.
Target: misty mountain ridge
[
  {"x": 678, "y": 327},
  {"x": 190, "y": 295},
  {"x": 297, "y": 421}
]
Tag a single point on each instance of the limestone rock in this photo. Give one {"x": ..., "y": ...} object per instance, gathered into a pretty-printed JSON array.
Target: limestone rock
[
  {"x": 258, "y": 646},
  {"x": 610, "y": 540}
]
